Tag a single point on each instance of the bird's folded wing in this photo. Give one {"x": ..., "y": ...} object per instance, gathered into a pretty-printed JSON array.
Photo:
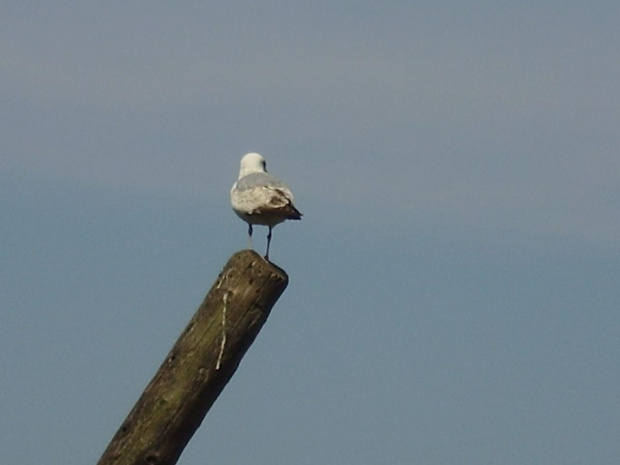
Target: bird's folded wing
[{"x": 262, "y": 197}]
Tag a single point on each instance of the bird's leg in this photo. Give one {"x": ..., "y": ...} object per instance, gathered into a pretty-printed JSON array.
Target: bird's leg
[
  {"x": 268, "y": 242},
  {"x": 250, "y": 236}
]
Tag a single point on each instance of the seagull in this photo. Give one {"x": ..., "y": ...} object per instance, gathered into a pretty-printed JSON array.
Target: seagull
[{"x": 260, "y": 198}]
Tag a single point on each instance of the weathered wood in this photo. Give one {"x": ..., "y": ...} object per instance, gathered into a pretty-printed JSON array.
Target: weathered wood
[{"x": 200, "y": 364}]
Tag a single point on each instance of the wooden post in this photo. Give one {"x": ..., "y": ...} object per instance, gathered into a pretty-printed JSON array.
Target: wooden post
[{"x": 200, "y": 364}]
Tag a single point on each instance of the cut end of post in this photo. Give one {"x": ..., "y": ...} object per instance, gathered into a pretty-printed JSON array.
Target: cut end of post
[{"x": 249, "y": 255}]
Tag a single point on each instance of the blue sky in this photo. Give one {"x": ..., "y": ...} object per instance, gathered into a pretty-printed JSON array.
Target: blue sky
[{"x": 454, "y": 283}]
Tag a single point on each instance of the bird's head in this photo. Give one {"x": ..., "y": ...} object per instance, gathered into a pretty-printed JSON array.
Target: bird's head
[{"x": 252, "y": 163}]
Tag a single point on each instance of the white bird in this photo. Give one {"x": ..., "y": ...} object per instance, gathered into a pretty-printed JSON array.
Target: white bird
[{"x": 260, "y": 198}]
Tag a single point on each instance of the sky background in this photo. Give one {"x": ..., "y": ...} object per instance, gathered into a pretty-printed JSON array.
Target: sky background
[{"x": 454, "y": 284}]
